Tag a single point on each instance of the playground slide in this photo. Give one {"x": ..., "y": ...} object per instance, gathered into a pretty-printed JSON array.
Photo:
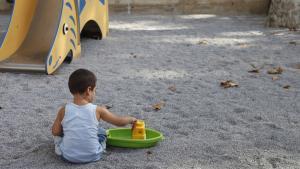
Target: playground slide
[{"x": 42, "y": 34}]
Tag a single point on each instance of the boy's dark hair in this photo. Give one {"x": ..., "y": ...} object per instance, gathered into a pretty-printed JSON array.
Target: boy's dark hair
[{"x": 80, "y": 80}]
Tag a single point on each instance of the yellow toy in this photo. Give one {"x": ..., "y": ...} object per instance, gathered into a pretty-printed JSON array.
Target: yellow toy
[
  {"x": 42, "y": 34},
  {"x": 138, "y": 130}
]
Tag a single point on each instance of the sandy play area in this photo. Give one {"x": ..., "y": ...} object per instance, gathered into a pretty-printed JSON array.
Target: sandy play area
[{"x": 178, "y": 60}]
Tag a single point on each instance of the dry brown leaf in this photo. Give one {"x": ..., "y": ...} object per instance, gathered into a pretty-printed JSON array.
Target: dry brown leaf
[
  {"x": 274, "y": 33},
  {"x": 293, "y": 29},
  {"x": 255, "y": 67},
  {"x": 228, "y": 84},
  {"x": 275, "y": 78},
  {"x": 286, "y": 86},
  {"x": 203, "y": 42},
  {"x": 254, "y": 71},
  {"x": 242, "y": 45},
  {"x": 276, "y": 70},
  {"x": 158, "y": 106},
  {"x": 172, "y": 88}
]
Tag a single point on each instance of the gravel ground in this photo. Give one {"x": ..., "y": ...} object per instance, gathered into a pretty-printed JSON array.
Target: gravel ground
[{"x": 181, "y": 61}]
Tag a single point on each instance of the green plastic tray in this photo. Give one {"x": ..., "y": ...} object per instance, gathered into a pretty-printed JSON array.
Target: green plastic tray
[{"x": 121, "y": 137}]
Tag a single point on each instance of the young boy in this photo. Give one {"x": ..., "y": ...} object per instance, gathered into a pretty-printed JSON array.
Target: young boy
[{"x": 76, "y": 134}]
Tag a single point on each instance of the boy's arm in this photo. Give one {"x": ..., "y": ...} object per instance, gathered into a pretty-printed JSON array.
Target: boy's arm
[
  {"x": 57, "y": 129},
  {"x": 109, "y": 117}
]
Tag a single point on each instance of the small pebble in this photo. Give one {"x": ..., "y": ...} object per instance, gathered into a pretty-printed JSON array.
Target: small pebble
[{"x": 149, "y": 152}]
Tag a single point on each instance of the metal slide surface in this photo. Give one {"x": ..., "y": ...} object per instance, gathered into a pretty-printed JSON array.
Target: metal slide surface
[{"x": 32, "y": 52}]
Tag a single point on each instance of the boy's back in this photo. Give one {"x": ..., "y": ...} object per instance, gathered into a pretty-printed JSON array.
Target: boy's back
[{"x": 80, "y": 127}]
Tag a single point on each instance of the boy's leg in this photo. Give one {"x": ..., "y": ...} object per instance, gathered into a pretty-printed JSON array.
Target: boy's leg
[
  {"x": 102, "y": 137},
  {"x": 57, "y": 141}
]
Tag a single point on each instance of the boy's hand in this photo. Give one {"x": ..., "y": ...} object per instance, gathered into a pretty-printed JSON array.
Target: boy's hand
[{"x": 133, "y": 122}]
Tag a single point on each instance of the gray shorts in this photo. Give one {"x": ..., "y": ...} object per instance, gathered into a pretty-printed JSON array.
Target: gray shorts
[{"x": 101, "y": 136}]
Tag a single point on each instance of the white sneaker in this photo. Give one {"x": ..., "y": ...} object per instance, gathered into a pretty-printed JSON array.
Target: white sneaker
[
  {"x": 57, "y": 141},
  {"x": 57, "y": 150}
]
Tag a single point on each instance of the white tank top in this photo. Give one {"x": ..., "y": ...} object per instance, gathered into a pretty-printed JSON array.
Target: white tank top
[{"x": 80, "y": 142}]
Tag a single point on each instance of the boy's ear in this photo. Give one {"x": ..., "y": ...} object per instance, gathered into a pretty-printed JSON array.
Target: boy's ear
[{"x": 89, "y": 89}]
